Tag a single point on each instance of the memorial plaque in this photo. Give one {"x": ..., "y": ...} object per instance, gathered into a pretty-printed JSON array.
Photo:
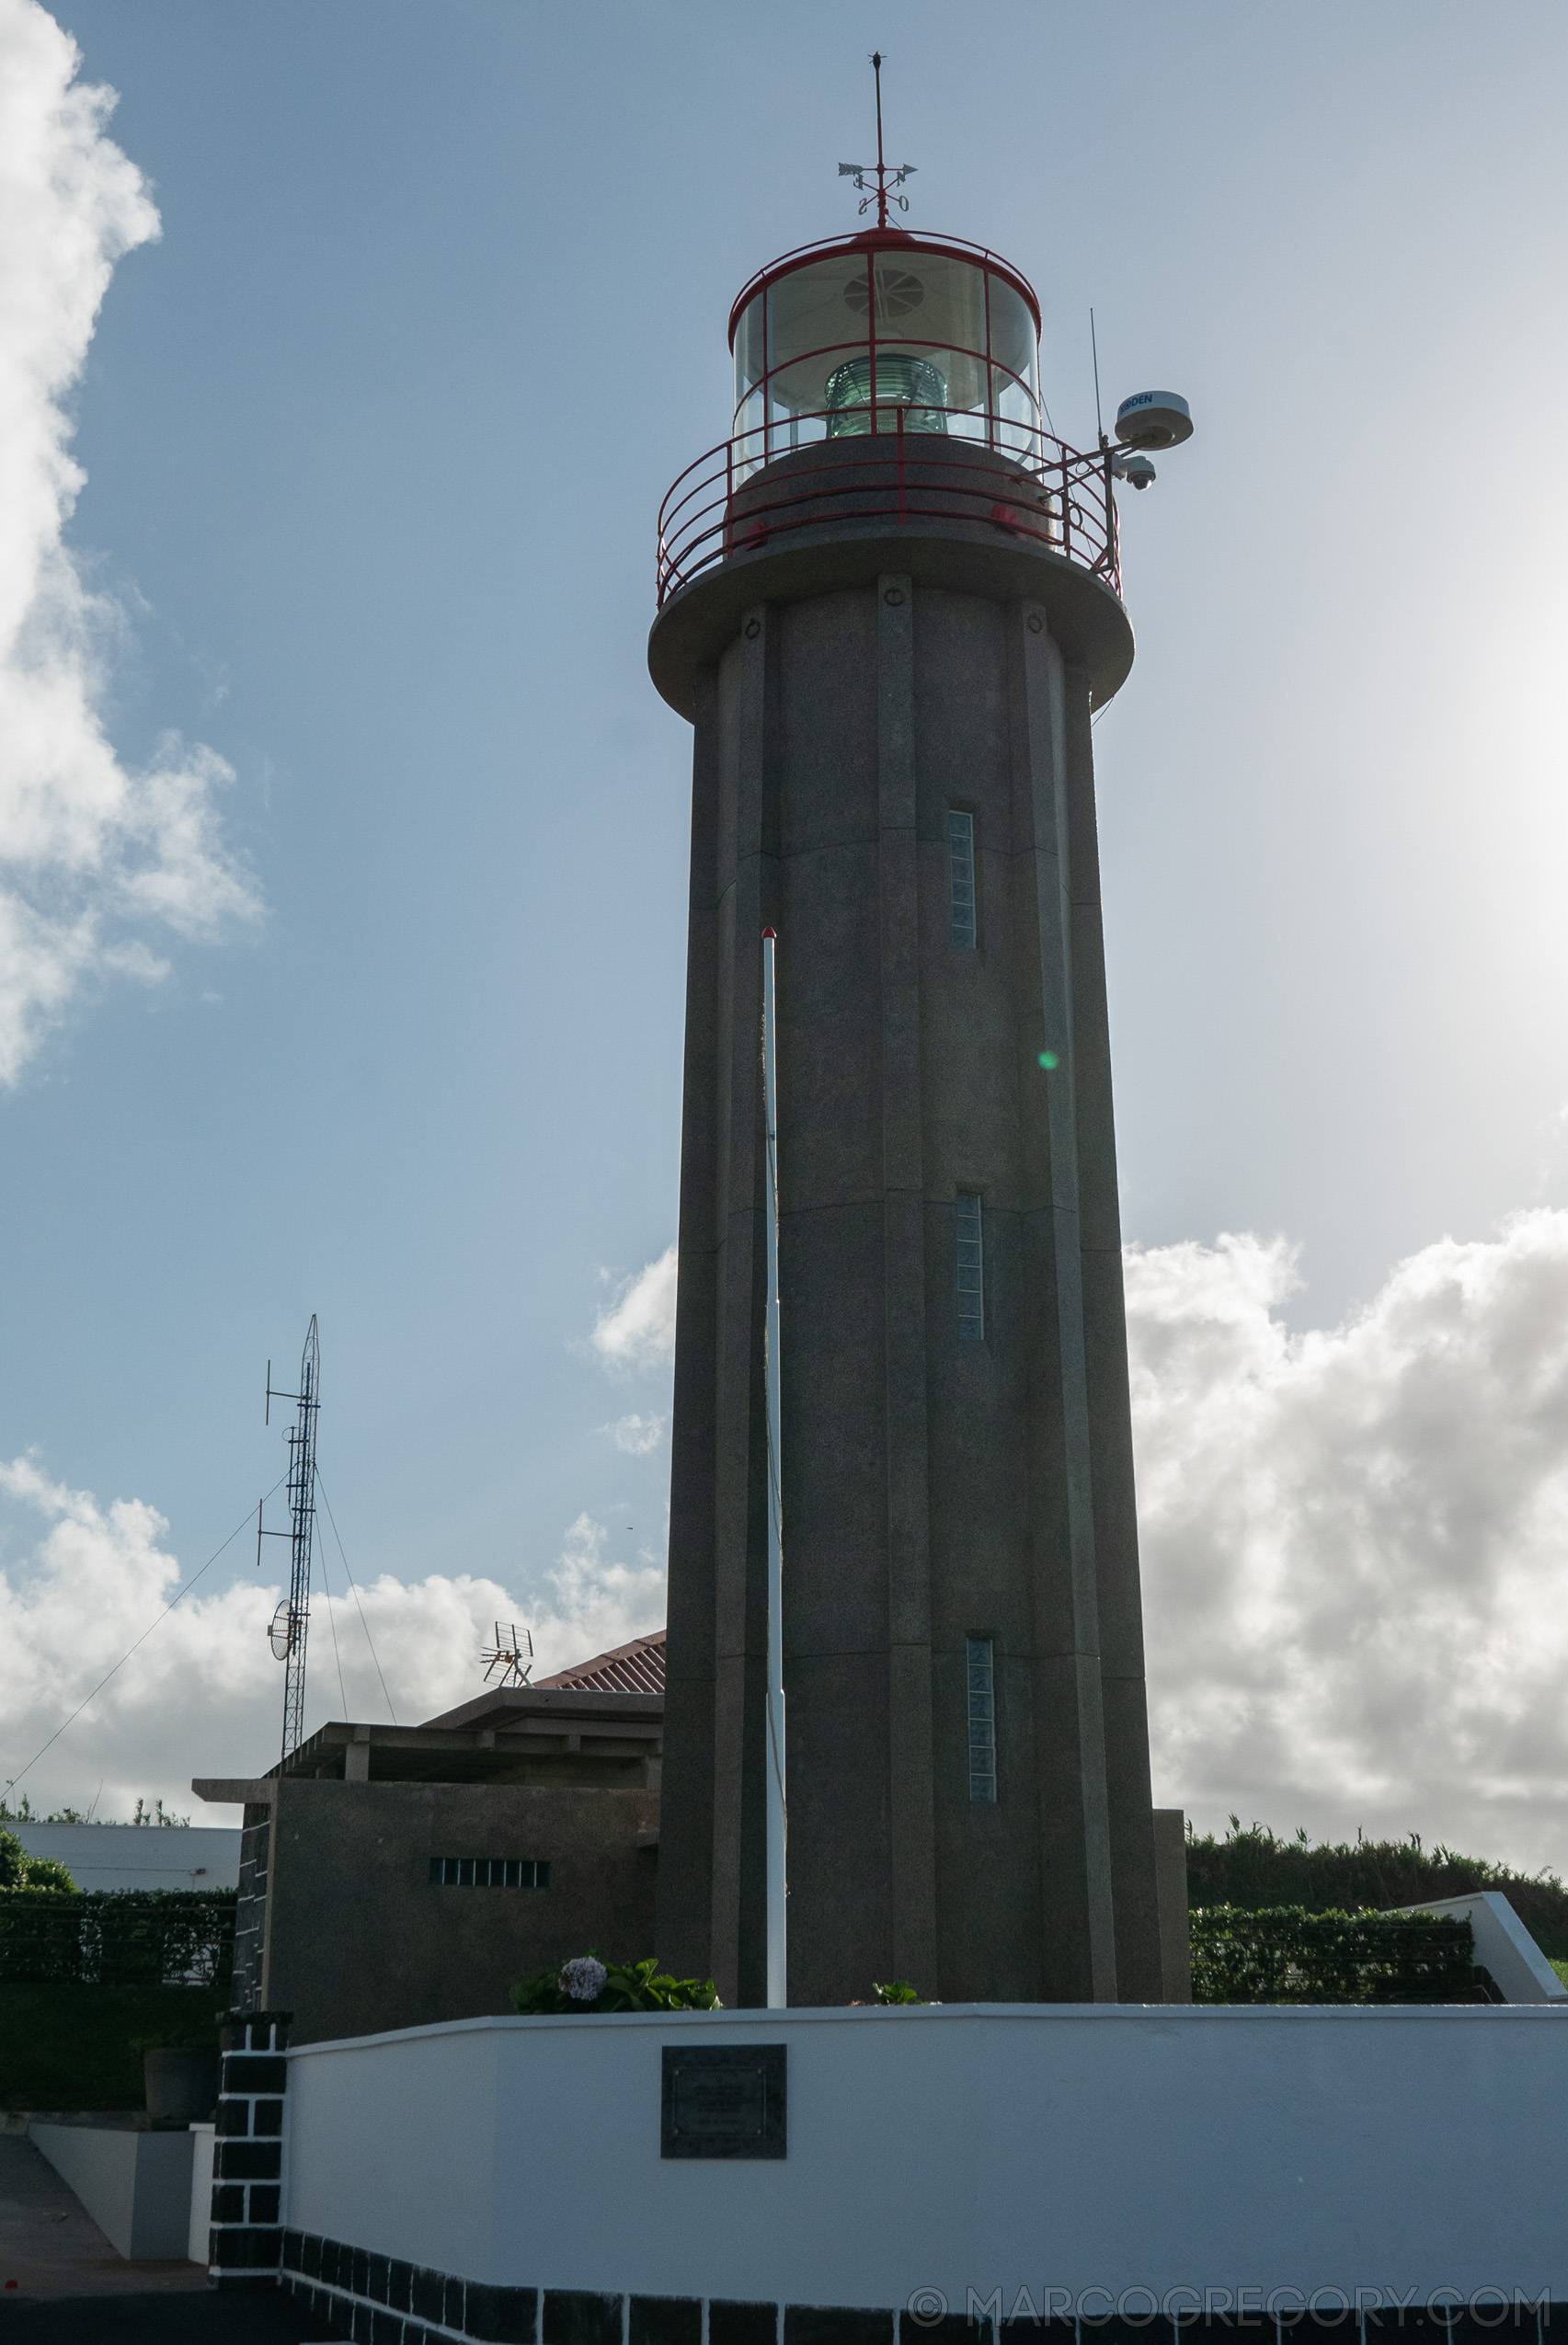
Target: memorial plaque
[{"x": 724, "y": 2100}]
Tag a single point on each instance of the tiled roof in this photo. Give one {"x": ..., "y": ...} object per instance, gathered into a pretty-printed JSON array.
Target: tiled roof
[{"x": 636, "y": 1668}]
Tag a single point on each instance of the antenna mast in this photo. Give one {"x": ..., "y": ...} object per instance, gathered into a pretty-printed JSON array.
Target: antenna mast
[
  {"x": 290, "y": 1622},
  {"x": 776, "y": 1811}
]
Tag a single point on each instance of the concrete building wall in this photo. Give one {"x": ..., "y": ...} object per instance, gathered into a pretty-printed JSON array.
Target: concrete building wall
[
  {"x": 355, "y": 1938},
  {"x": 934, "y": 1489}
]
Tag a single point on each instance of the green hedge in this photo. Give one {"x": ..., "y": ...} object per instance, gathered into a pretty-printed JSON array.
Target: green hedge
[
  {"x": 1286, "y": 1955},
  {"x": 1257, "y": 1868},
  {"x": 118, "y": 1937},
  {"x": 74, "y": 2047}
]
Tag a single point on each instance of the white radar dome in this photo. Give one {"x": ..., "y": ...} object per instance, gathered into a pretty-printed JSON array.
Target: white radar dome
[{"x": 1153, "y": 419}]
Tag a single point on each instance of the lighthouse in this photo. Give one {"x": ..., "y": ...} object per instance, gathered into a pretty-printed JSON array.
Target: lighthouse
[{"x": 889, "y": 602}]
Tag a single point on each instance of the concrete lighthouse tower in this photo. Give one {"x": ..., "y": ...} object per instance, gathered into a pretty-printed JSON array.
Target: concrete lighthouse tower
[{"x": 888, "y": 602}]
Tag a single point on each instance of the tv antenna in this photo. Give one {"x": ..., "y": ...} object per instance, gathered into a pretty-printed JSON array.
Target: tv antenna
[
  {"x": 290, "y": 1622},
  {"x": 887, "y": 177},
  {"x": 513, "y": 1654}
]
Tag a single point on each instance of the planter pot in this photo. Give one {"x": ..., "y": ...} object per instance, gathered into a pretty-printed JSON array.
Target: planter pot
[{"x": 182, "y": 2086}]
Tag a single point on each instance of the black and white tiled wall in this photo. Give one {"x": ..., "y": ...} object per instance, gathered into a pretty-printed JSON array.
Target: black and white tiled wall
[
  {"x": 246, "y": 2236},
  {"x": 376, "y": 2300}
]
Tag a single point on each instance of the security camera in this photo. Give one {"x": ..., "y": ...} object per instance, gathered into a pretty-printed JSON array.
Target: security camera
[{"x": 1136, "y": 471}]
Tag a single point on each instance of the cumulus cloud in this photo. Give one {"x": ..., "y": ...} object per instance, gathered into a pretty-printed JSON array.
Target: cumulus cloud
[
  {"x": 203, "y": 1695},
  {"x": 95, "y": 860},
  {"x": 596, "y": 1603},
  {"x": 636, "y": 1330},
  {"x": 1354, "y": 1545},
  {"x": 638, "y": 1436},
  {"x": 1355, "y": 1539}
]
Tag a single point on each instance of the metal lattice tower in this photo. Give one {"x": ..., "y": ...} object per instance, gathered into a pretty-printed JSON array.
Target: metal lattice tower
[{"x": 290, "y": 1624}]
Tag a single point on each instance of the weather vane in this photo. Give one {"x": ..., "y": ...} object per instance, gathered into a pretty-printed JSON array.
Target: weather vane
[{"x": 887, "y": 177}]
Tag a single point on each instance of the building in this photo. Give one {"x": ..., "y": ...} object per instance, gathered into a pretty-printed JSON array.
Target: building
[
  {"x": 392, "y": 1876},
  {"x": 127, "y": 1856},
  {"x": 889, "y": 604}
]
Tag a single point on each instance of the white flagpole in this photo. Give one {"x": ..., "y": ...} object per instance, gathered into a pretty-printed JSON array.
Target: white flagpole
[{"x": 778, "y": 1974}]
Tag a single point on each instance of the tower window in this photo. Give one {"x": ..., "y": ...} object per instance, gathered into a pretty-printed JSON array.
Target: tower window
[
  {"x": 982, "y": 1721},
  {"x": 961, "y": 876},
  {"x": 971, "y": 1270}
]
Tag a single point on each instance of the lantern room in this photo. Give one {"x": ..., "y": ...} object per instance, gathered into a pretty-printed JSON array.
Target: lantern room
[{"x": 885, "y": 332}]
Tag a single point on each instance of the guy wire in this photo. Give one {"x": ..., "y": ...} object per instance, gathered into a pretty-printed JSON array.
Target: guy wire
[
  {"x": 13, "y": 1780},
  {"x": 349, "y": 1577}
]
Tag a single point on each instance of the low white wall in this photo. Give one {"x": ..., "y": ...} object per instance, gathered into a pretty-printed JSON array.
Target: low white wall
[
  {"x": 136, "y": 2186},
  {"x": 199, "y": 2223},
  {"x": 950, "y": 2147}
]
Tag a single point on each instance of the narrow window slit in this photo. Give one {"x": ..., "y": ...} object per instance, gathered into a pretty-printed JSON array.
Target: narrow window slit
[
  {"x": 982, "y": 1721},
  {"x": 961, "y": 877},
  {"x": 971, "y": 1270},
  {"x": 490, "y": 1872}
]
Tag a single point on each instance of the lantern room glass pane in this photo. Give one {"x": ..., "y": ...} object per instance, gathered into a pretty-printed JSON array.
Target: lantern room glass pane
[
  {"x": 817, "y": 320},
  {"x": 882, "y": 340},
  {"x": 1015, "y": 371},
  {"x": 1013, "y": 346},
  {"x": 941, "y": 318},
  {"x": 749, "y": 345},
  {"x": 930, "y": 307}
]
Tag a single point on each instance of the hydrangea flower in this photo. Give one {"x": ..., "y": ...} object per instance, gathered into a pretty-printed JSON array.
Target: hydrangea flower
[{"x": 583, "y": 1979}]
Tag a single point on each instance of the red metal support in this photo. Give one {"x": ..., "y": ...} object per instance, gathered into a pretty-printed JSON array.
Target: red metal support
[{"x": 871, "y": 327}]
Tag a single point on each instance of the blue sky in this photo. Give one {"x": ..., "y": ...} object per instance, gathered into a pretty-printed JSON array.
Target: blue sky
[{"x": 375, "y": 438}]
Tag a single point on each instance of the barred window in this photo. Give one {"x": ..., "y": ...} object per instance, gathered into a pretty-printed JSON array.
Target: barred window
[
  {"x": 961, "y": 876},
  {"x": 490, "y": 1872},
  {"x": 971, "y": 1269},
  {"x": 982, "y": 1721}
]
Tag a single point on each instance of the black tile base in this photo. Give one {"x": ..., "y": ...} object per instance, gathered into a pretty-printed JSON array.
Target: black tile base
[
  {"x": 376, "y": 2300},
  {"x": 581, "y": 2317},
  {"x": 665, "y": 2320},
  {"x": 507, "y": 2316},
  {"x": 836, "y": 2325},
  {"x": 731, "y": 2323}
]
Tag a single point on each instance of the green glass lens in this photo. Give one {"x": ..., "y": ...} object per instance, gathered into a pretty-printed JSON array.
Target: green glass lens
[{"x": 913, "y": 384}]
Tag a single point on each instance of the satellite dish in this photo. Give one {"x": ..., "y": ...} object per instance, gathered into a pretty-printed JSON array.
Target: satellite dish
[
  {"x": 278, "y": 1634},
  {"x": 1154, "y": 420}
]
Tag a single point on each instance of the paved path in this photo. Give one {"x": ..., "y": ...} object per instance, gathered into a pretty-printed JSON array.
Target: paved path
[
  {"x": 51, "y": 2246},
  {"x": 63, "y": 2283}
]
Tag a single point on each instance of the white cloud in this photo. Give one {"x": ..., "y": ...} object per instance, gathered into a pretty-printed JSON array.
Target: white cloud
[
  {"x": 203, "y": 1695},
  {"x": 598, "y": 1603},
  {"x": 637, "y": 1330},
  {"x": 93, "y": 857},
  {"x": 636, "y": 1435},
  {"x": 1354, "y": 1545},
  {"x": 1355, "y": 1541}
]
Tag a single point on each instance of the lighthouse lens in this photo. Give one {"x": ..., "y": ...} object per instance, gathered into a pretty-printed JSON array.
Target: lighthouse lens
[{"x": 913, "y": 384}]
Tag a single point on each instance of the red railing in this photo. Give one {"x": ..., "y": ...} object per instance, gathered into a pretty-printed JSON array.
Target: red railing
[{"x": 738, "y": 497}]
